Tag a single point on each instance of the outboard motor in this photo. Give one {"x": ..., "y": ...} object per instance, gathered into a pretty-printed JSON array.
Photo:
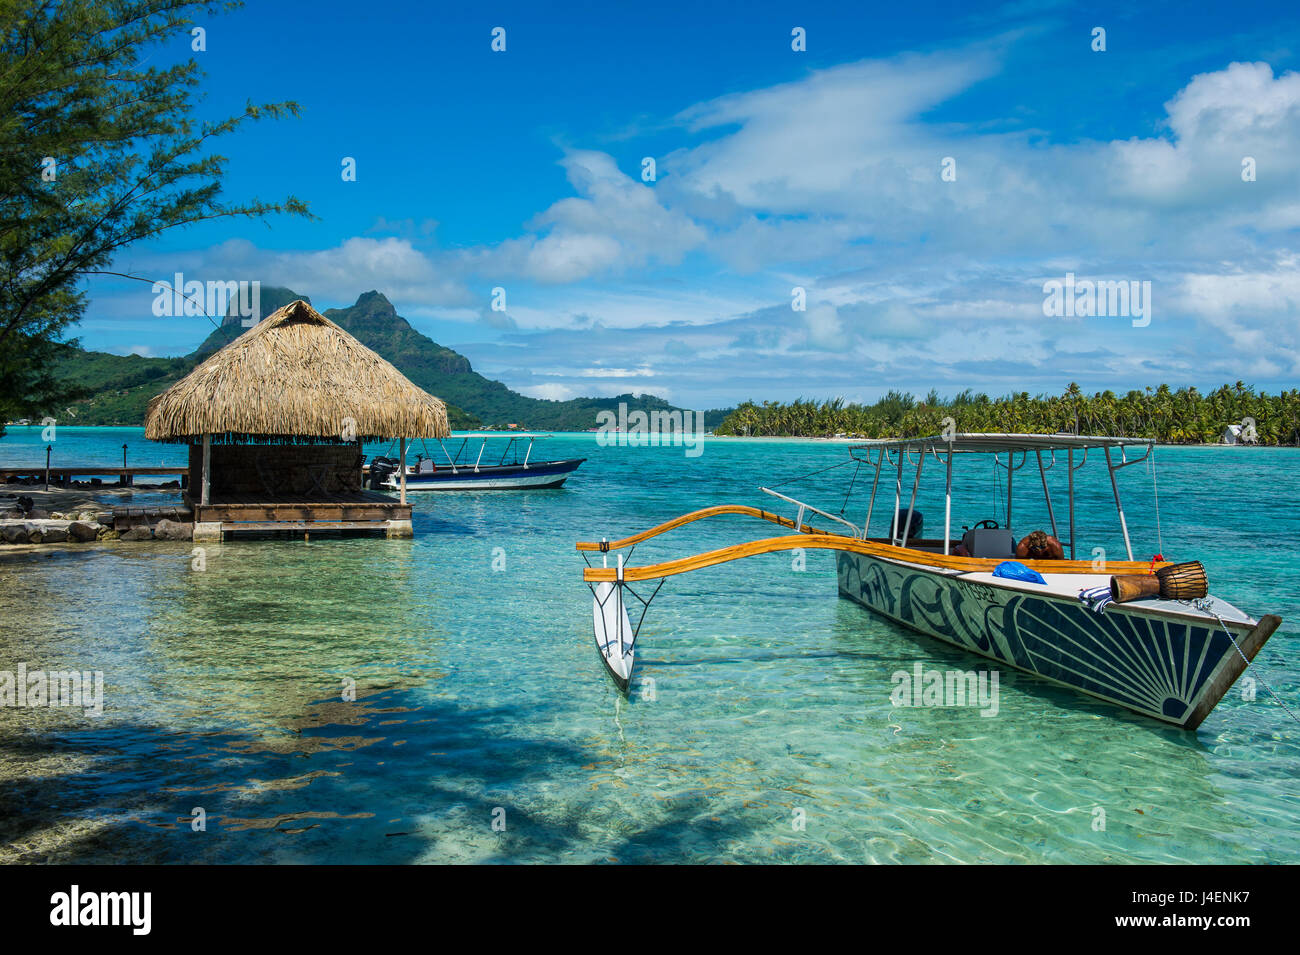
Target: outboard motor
[
  {"x": 380, "y": 469},
  {"x": 914, "y": 530}
]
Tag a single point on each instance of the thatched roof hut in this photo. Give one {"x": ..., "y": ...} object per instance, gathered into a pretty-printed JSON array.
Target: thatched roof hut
[
  {"x": 294, "y": 378},
  {"x": 275, "y": 423}
]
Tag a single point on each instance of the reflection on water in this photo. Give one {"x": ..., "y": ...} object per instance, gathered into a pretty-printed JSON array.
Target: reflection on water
[{"x": 478, "y": 698}]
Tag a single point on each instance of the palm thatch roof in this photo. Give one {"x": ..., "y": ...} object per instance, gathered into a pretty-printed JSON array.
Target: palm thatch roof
[{"x": 295, "y": 377}]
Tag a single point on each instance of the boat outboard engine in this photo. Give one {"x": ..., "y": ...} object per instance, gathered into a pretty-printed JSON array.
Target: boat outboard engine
[
  {"x": 380, "y": 468},
  {"x": 915, "y": 529}
]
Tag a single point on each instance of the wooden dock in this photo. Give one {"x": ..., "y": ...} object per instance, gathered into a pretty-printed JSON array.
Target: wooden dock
[{"x": 63, "y": 474}]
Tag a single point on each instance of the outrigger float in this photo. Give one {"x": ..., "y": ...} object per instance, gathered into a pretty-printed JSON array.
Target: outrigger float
[{"x": 1142, "y": 634}]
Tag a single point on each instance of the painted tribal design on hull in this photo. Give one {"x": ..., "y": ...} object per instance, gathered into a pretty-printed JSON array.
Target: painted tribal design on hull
[{"x": 1154, "y": 666}]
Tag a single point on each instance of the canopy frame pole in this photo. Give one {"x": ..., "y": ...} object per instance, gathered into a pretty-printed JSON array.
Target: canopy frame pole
[
  {"x": 401, "y": 469},
  {"x": 205, "y": 494},
  {"x": 898, "y": 498},
  {"x": 447, "y": 454},
  {"x": 1114, "y": 486},
  {"x": 1011, "y": 460},
  {"x": 1069, "y": 468},
  {"x": 1047, "y": 495},
  {"x": 880, "y": 460},
  {"x": 911, "y": 504},
  {"x": 947, "y": 502}
]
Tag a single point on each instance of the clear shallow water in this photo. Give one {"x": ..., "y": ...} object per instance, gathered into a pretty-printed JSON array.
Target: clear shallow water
[{"x": 481, "y": 691}]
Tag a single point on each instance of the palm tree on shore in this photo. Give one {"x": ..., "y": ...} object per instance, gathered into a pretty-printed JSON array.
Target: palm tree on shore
[{"x": 1183, "y": 416}]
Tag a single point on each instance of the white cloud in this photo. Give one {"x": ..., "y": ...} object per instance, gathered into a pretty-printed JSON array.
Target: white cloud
[
  {"x": 1258, "y": 311},
  {"x": 616, "y": 222},
  {"x": 824, "y": 328},
  {"x": 333, "y": 275},
  {"x": 645, "y": 371},
  {"x": 1215, "y": 122},
  {"x": 809, "y": 145},
  {"x": 549, "y": 391},
  {"x": 832, "y": 182}
]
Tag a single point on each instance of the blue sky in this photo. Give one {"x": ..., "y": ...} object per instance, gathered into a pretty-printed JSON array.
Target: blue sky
[{"x": 818, "y": 169}]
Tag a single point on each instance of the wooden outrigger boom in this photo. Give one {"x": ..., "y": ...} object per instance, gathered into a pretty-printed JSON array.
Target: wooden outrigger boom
[
  {"x": 690, "y": 518},
  {"x": 812, "y": 539}
]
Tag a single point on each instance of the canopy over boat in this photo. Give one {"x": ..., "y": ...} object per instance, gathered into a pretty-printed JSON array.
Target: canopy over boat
[
  {"x": 992, "y": 443},
  {"x": 943, "y": 447}
]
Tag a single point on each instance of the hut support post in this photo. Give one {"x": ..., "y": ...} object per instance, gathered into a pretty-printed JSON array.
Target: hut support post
[
  {"x": 205, "y": 496},
  {"x": 402, "y": 469}
]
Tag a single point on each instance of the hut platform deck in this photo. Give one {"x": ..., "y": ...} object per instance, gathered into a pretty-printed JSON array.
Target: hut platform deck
[{"x": 297, "y": 513}]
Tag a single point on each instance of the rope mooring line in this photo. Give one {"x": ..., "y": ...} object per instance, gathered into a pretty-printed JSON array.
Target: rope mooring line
[
  {"x": 852, "y": 483},
  {"x": 1254, "y": 669},
  {"x": 814, "y": 473}
]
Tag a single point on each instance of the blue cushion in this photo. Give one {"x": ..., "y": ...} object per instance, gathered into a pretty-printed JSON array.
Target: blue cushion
[{"x": 1014, "y": 570}]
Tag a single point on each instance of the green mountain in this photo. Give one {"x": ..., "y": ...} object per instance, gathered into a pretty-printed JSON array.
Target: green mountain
[{"x": 120, "y": 386}]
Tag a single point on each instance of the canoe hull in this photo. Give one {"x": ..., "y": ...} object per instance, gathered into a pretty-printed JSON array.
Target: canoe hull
[
  {"x": 1173, "y": 667},
  {"x": 615, "y": 640}
]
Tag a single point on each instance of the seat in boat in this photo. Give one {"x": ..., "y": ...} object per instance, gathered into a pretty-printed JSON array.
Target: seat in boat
[
  {"x": 426, "y": 467},
  {"x": 989, "y": 542}
]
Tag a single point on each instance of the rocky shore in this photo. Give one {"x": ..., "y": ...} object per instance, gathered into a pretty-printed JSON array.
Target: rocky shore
[{"x": 71, "y": 517}]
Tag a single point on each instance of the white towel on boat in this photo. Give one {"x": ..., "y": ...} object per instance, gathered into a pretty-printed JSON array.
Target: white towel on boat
[{"x": 1096, "y": 599}]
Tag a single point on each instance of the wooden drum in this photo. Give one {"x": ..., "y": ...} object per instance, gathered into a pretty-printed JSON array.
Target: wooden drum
[{"x": 1185, "y": 581}]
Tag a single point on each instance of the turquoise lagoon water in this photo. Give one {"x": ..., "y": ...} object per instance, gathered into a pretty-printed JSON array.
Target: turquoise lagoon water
[{"x": 480, "y": 696}]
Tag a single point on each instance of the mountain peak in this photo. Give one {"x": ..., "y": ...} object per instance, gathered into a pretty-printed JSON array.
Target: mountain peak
[
  {"x": 122, "y": 389},
  {"x": 374, "y": 299},
  {"x": 270, "y": 299}
]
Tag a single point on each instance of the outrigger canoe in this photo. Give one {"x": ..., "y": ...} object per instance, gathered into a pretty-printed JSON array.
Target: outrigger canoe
[{"x": 1142, "y": 634}]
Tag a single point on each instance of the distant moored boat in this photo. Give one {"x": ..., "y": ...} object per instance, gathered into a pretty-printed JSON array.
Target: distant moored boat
[{"x": 465, "y": 469}]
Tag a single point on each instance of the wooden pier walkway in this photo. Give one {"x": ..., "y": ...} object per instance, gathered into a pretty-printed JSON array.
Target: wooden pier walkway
[{"x": 62, "y": 474}]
